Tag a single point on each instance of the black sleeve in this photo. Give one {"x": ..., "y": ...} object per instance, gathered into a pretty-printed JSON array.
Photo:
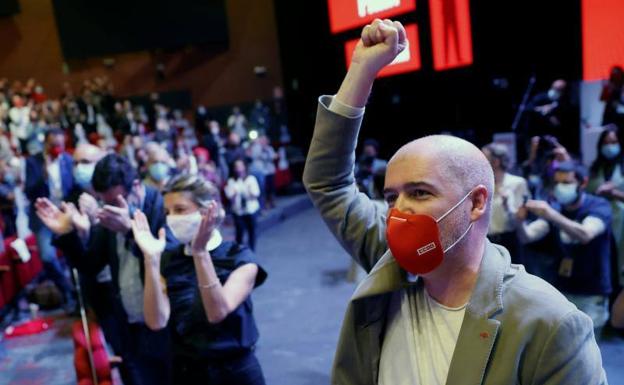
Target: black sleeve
[
  {"x": 538, "y": 100},
  {"x": 88, "y": 258},
  {"x": 242, "y": 255},
  {"x": 33, "y": 181}
]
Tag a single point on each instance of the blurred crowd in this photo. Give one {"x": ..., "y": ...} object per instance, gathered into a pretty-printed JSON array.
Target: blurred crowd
[
  {"x": 95, "y": 178},
  {"x": 157, "y": 140}
]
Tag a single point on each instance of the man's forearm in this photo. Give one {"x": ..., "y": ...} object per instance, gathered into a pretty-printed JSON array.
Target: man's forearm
[
  {"x": 356, "y": 86},
  {"x": 618, "y": 195},
  {"x": 573, "y": 229}
]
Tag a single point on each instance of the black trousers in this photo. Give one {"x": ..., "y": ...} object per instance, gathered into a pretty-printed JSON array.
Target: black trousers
[
  {"x": 243, "y": 370},
  {"x": 269, "y": 188},
  {"x": 146, "y": 355},
  {"x": 246, "y": 224}
]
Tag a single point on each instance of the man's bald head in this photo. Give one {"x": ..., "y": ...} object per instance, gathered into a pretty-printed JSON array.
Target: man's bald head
[
  {"x": 87, "y": 153},
  {"x": 455, "y": 163}
]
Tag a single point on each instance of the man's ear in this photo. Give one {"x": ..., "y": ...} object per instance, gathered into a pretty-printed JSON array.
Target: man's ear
[{"x": 479, "y": 200}]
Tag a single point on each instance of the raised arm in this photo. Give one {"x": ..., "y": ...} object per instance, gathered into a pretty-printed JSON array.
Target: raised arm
[
  {"x": 219, "y": 300},
  {"x": 156, "y": 306},
  {"x": 357, "y": 223}
]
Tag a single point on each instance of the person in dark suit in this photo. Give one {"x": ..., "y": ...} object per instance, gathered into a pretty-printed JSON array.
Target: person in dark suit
[
  {"x": 91, "y": 246},
  {"x": 97, "y": 289},
  {"x": 88, "y": 113},
  {"x": 50, "y": 175},
  {"x": 555, "y": 113}
]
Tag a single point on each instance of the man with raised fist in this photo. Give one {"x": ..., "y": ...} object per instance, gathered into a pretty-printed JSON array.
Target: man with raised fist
[{"x": 441, "y": 304}]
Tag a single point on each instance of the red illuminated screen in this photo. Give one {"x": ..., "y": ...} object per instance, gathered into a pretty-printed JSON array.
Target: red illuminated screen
[
  {"x": 451, "y": 33},
  {"x": 407, "y": 61},
  {"x": 603, "y": 37},
  {"x": 349, "y": 14}
]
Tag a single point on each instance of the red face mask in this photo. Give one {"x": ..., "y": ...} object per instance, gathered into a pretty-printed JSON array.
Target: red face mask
[
  {"x": 55, "y": 151},
  {"x": 414, "y": 239}
]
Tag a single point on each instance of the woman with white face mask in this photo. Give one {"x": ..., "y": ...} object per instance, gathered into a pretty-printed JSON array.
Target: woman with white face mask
[
  {"x": 201, "y": 288},
  {"x": 607, "y": 180}
]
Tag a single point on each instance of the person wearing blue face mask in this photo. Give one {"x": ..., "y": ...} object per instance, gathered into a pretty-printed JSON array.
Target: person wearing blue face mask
[
  {"x": 582, "y": 225},
  {"x": 607, "y": 180},
  {"x": 158, "y": 167},
  {"x": 554, "y": 113},
  {"x": 85, "y": 157},
  {"x": 98, "y": 291}
]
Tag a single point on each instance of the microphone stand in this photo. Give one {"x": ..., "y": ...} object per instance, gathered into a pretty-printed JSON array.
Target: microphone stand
[{"x": 522, "y": 107}]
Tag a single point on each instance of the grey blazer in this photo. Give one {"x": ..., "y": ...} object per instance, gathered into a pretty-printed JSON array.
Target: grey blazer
[{"x": 517, "y": 328}]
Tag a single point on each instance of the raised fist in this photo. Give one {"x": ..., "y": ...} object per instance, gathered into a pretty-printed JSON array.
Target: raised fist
[{"x": 381, "y": 42}]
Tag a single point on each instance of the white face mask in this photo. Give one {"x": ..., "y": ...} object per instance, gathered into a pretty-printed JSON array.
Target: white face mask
[
  {"x": 83, "y": 173},
  {"x": 184, "y": 227},
  {"x": 566, "y": 193}
]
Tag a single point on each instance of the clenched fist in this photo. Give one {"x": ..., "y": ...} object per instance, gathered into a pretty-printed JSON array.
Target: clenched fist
[{"x": 381, "y": 42}]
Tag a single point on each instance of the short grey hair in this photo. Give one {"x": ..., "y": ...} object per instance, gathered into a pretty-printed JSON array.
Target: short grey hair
[{"x": 500, "y": 152}]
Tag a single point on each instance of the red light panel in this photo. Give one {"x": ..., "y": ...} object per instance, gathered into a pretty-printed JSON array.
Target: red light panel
[
  {"x": 451, "y": 33},
  {"x": 349, "y": 14}
]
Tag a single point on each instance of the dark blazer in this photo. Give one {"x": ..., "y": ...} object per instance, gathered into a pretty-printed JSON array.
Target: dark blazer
[
  {"x": 36, "y": 176},
  {"x": 101, "y": 248},
  {"x": 36, "y": 185},
  {"x": 146, "y": 353}
]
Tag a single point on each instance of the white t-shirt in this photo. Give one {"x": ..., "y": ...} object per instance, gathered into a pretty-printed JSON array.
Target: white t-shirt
[
  {"x": 420, "y": 339},
  {"x": 243, "y": 193},
  {"x": 130, "y": 285},
  {"x": 504, "y": 216},
  {"x": 54, "y": 179}
]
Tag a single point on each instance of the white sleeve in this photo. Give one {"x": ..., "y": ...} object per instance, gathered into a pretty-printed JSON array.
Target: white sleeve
[
  {"x": 594, "y": 226},
  {"x": 335, "y": 106},
  {"x": 252, "y": 186},
  {"x": 230, "y": 189},
  {"x": 535, "y": 230},
  {"x": 519, "y": 193}
]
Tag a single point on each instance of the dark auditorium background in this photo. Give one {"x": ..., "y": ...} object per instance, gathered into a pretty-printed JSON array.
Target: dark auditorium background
[{"x": 221, "y": 75}]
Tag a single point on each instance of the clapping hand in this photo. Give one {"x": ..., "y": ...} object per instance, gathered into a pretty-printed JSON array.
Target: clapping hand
[
  {"x": 209, "y": 222},
  {"x": 80, "y": 220},
  {"x": 605, "y": 189},
  {"x": 62, "y": 220},
  {"x": 58, "y": 221},
  {"x": 116, "y": 218},
  {"x": 540, "y": 208},
  {"x": 151, "y": 247},
  {"x": 89, "y": 206}
]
